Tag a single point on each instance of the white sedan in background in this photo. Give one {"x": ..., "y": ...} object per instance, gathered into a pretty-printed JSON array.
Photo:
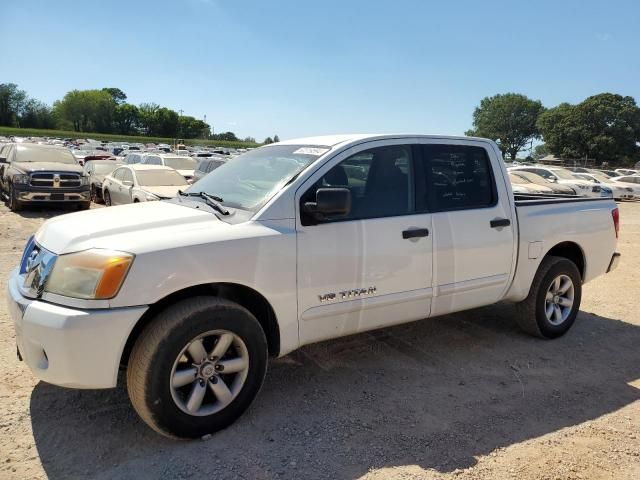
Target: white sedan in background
[
  {"x": 141, "y": 183},
  {"x": 184, "y": 165},
  {"x": 631, "y": 181},
  {"x": 563, "y": 176},
  {"x": 620, "y": 192}
]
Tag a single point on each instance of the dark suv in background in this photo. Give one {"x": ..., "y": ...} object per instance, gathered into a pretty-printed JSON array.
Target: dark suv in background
[{"x": 43, "y": 175}]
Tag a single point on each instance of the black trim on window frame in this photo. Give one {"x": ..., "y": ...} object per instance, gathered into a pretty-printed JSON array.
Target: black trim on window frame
[
  {"x": 414, "y": 148},
  {"x": 425, "y": 178}
]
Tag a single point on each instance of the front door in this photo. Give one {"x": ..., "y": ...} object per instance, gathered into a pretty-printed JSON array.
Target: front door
[{"x": 371, "y": 268}]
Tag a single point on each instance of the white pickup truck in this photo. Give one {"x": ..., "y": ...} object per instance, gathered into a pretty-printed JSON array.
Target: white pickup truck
[{"x": 289, "y": 244}]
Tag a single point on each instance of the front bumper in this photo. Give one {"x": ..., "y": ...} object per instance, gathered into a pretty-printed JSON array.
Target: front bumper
[
  {"x": 67, "y": 346},
  {"x": 47, "y": 195}
]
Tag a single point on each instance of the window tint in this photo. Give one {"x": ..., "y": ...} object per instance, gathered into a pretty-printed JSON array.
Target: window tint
[
  {"x": 213, "y": 164},
  {"x": 457, "y": 177},
  {"x": 379, "y": 179},
  {"x": 119, "y": 173},
  {"x": 127, "y": 175}
]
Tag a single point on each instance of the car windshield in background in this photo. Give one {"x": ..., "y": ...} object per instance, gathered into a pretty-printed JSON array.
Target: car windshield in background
[
  {"x": 563, "y": 174},
  {"x": 28, "y": 153},
  {"x": 181, "y": 163},
  {"x": 249, "y": 180},
  {"x": 105, "y": 167},
  {"x": 160, "y": 178}
]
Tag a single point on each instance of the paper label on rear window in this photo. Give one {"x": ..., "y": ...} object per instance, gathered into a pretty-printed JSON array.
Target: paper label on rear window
[{"x": 311, "y": 151}]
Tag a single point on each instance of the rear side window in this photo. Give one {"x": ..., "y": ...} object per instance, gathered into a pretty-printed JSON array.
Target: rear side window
[
  {"x": 118, "y": 173},
  {"x": 458, "y": 177}
]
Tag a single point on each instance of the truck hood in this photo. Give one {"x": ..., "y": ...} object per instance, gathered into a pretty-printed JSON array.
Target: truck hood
[
  {"x": 30, "y": 167},
  {"x": 133, "y": 228}
]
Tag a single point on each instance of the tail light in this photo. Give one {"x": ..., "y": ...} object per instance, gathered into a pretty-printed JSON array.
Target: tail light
[{"x": 615, "y": 214}]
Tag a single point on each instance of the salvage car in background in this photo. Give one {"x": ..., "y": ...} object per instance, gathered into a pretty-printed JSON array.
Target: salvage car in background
[
  {"x": 564, "y": 177},
  {"x": 207, "y": 165},
  {"x": 557, "y": 188},
  {"x": 96, "y": 171},
  {"x": 620, "y": 192},
  {"x": 522, "y": 185},
  {"x": 184, "y": 165},
  {"x": 141, "y": 183},
  {"x": 32, "y": 174}
]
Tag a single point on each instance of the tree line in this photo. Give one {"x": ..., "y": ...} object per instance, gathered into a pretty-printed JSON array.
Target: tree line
[
  {"x": 103, "y": 110},
  {"x": 603, "y": 127}
]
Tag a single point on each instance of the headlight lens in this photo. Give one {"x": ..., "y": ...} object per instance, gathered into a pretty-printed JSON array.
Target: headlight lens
[
  {"x": 21, "y": 179},
  {"x": 93, "y": 274},
  {"x": 84, "y": 180},
  {"x": 151, "y": 196}
]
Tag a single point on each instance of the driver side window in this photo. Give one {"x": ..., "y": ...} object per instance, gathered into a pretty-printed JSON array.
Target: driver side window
[{"x": 380, "y": 181}]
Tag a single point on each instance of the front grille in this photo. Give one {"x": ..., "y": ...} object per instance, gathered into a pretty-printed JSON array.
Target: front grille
[{"x": 55, "y": 180}]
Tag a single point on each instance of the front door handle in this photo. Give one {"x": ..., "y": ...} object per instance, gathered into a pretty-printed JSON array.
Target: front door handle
[
  {"x": 500, "y": 222},
  {"x": 415, "y": 233}
]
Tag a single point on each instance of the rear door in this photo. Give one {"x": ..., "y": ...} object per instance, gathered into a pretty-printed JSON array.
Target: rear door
[
  {"x": 473, "y": 235},
  {"x": 115, "y": 186},
  {"x": 373, "y": 267}
]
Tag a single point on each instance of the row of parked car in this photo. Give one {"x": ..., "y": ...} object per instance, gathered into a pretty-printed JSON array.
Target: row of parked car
[
  {"x": 621, "y": 184},
  {"x": 51, "y": 173}
]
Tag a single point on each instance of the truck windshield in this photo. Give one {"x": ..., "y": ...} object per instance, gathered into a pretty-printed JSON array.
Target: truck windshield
[
  {"x": 27, "y": 153},
  {"x": 249, "y": 180}
]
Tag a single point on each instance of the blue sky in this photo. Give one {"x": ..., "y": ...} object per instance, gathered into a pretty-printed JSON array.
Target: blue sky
[{"x": 300, "y": 68}]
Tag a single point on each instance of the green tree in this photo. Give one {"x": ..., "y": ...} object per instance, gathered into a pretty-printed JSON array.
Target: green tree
[
  {"x": 267, "y": 141},
  {"x": 167, "y": 122},
  {"x": 226, "y": 136},
  {"x": 605, "y": 127},
  {"x": 87, "y": 110},
  {"x": 12, "y": 101},
  {"x": 126, "y": 117},
  {"x": 510, "y": 119},
  {"x": 148, "y": 119},
  {"x": 36, "y": 114},
  {"x": 276, "y": 139},
  {"x": 540, "y": 151},
  {"x": 118, "y": 96},
  {"x": 190, "y": 127}
]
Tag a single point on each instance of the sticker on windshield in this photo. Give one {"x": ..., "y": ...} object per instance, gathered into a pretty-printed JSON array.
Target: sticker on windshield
[{"x": 311, "y": 151}]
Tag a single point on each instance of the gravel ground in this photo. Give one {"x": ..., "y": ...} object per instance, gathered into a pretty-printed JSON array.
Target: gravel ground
[{"x": 462, "y": 396}]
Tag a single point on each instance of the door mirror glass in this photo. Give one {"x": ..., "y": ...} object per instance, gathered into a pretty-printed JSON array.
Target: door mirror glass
[
  {"x": 127, "y": 183},
  {"x": 330, "y": 202}
]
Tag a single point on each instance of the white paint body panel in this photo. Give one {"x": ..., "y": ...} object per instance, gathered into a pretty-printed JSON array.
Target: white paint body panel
[{"x": 463, "y": 263}]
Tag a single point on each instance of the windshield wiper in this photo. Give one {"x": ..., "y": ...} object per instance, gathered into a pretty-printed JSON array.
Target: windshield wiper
[{"x": 212, "y": 200}]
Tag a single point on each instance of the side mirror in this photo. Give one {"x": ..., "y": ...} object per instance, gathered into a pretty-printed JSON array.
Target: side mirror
[
  {"x": 330, "y": 202},
  {"x": 3, "y": 160},
  {"x": 127, "y": 183},
  {"x": 553, "y": 179}
]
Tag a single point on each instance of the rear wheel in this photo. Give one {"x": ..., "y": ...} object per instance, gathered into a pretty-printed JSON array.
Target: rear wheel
[
  {"x": 197, "y": 367},
  {"x": 107, "y": 198},
  {"x": 554, "y": 299}
]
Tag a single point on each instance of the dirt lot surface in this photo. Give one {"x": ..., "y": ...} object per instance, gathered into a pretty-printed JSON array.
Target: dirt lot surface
[{"x": 463, "y": 396}]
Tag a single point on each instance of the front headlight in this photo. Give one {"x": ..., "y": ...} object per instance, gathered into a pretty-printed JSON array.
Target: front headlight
[
  {"x": 84, "y": 180},
  {"x": 583, "y": 187},
  {"x": 21, "y": 179},
  {"x": 150, "y": 196},
  {"x": 93, "y": 274}
]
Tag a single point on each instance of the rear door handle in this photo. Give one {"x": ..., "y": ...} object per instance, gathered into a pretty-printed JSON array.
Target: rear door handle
[
  {"x": 500, "y": 222},
  {"x": 415, "y": 233}
]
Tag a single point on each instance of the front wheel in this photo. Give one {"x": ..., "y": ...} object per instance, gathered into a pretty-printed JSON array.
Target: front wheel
[
  {"x": 554, "y": 299},
  {"x": 15, "y": 205},
  {"x": 197, "y": 367},
  {"x": 107, "y": 198}
]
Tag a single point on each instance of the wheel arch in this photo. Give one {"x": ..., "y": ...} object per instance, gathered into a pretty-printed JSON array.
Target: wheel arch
[
  {"x": 571, "y": 251},
  {"x": 245, "y": 296}
]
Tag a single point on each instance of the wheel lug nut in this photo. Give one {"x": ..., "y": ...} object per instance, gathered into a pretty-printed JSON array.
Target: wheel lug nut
[
  {"x": 213, "y": 358},
  {"x": 219, "y": 368},
  {"x": 213, "y": 380}
]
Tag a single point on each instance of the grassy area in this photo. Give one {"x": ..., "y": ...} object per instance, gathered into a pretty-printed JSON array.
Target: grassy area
[{"x": 32, "y": 132}]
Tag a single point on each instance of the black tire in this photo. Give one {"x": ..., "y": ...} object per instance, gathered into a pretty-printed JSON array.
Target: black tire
[
  {"x": 159, "y": 345},
  {"x": 107, "y": 198},
  {"x": 15, "y": 205},
  {"x": 84, "y": 206},
  {"x": 94, "y": 194},
  {"x": 531, "y": 314}
]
